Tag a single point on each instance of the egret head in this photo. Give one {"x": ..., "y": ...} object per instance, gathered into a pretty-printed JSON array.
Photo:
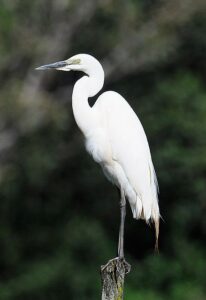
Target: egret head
[{"x": 80, "y": 62}]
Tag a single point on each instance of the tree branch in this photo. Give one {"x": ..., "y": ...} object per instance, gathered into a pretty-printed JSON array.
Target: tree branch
[{"x": 113, "y": 275}]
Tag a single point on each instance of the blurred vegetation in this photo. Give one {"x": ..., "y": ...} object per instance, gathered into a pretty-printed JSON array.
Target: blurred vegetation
[{"x": 59, "y": 216}]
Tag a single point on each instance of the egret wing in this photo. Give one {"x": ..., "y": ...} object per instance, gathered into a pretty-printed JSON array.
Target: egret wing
[{"x": 130, "y": 149}]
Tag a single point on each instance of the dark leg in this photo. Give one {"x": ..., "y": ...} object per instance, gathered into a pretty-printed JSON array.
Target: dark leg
[
  {"x": 113, "y": 273},
  {"x": 121, "y": 230}
]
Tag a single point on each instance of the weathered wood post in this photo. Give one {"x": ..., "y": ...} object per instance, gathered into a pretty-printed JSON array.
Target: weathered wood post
[{"x": 112, "y": 275}]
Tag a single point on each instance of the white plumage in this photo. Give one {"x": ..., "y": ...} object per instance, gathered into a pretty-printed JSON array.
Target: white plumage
[
  {"x": 114, "y": 137},
  {"x": 120, "y": 145}
]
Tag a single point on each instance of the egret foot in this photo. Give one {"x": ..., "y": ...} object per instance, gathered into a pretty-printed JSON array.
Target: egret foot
[{"x": 110, "y": 265}]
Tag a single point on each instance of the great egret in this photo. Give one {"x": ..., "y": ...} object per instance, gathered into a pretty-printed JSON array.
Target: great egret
[{"x": 115, "y": 139}]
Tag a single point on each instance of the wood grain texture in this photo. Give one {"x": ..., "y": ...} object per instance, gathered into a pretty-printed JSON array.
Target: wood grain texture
[{"x": 113, "y": 275}]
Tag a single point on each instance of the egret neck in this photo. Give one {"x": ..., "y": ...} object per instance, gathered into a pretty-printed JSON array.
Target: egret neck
[{"x": 87, "y": 86}]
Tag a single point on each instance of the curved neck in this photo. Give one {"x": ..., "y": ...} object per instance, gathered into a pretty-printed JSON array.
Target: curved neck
[{"x": 85, "y": 87}]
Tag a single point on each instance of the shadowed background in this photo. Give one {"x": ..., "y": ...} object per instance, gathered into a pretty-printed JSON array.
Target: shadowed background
[{"x": 59, "y": 216}]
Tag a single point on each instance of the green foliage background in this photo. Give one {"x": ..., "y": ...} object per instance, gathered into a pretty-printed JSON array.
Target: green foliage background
[{"x": 59, "y": 216}]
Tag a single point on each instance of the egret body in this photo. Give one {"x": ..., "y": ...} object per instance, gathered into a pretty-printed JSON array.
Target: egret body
[{"x": 115, "y": 138}]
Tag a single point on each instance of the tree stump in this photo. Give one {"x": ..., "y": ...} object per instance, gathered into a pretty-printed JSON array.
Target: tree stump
[{"x": 112, "y": 275}]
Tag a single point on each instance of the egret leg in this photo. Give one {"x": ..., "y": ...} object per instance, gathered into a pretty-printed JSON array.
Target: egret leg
[{"x": 122, "y": 220}]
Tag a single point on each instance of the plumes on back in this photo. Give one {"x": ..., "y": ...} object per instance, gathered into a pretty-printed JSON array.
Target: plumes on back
[{"x": 120, "y": 145}]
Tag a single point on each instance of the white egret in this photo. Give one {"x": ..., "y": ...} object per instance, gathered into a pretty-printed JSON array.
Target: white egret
[{"x": 115, "y": 139}]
